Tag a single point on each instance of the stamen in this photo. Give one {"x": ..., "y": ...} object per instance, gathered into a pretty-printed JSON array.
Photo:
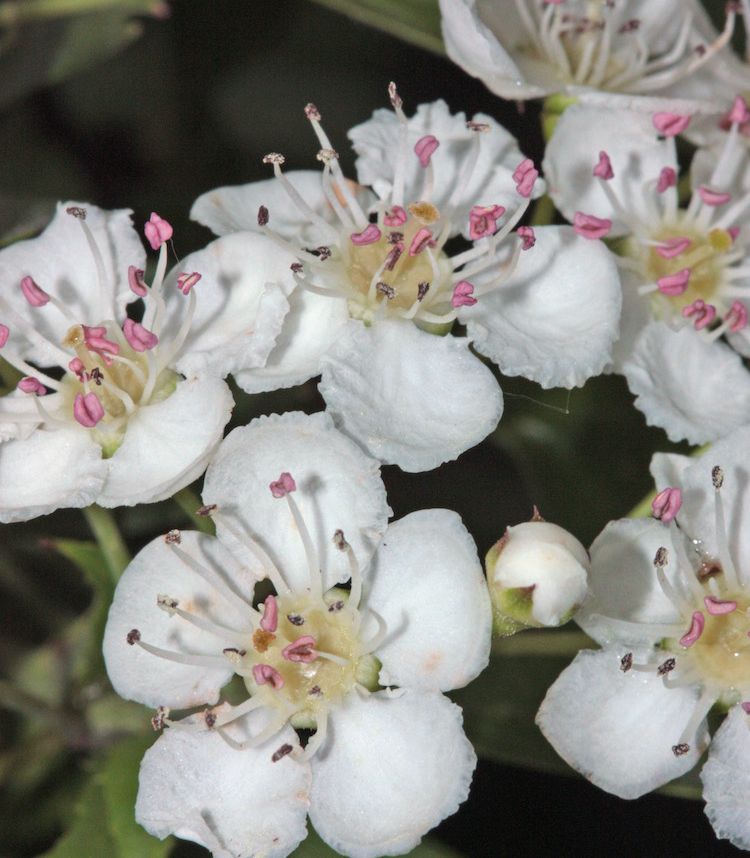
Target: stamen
[
  {"x": 603, "y": 169},
  {"x": 186, "y": 281},
  {"x": 136, "y": 282},
  {"x": 271, "y": 730},
  {"x": 666, "y": 505},
  {"x": 378, "y": 637},
  {"x": 719, "y": 607},
  {"x": 139, "y": 338},
  {"x": 369, "y": 235},
  {"x": 157, "y": 231},
  {"x": 33, "y": 292},
  {"x": 462, "y": 295},
  {"x": 673, "y": 247},
  {"x": 395, "y": 216},
  {"x": 422, "y": 239},
  {"x": 283, "y": 487},
  {"x": 589, "y": 226},
  {"x": 172, "y": 606},
  {"x": 87, "y": 409},
  {"x": 667, "y": 179},
  {"x": 713, "y": 198},
  {"x": 525, "y": 176},
  {"x": 670, "y": 124},
  {"x": 483, "y": 220},
  {"x": 133, "y": 637},
  {"x": 674, "y": 284},
  {"x": 281, "y": 752},
  {"x": 697, "y": 625},
  {"x": 527, "y": 236},
  {"x": 425, "y": 147},
  {"x": 32, "y": 386},
  {"x": 300, "y": 650},
  {"x": 626, "y": 662},
  {"x": 270, "y": 620},
  {"x": 264, "y": 674},
  {"x": 214, "y": 579},
  {"x": 315, "y": 742},
  {"x": 704, "y": 313},
  {"x": 725, "y": 558},
  {"x": 355, "y": 577}
]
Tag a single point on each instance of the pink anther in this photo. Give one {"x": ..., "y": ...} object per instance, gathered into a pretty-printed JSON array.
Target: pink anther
[
  {"x": 463, "y": 295},
  {"x": 95, "y": 340},
  {"x": 422, "y": 239},
  {"x": 303, "y": 649},
  {"x": 281, "y": 487},
  {"x": 139, "y": 339},
  {"x": 696, "y": 629},
  {"x": 157, "y": 231},
  {"x": 674, "y": 284},
  {"x": 704, "y": 313},
  {"x": 745, "y": 707},
  {"x": 29, "y": 384},
  {"x": 713, "y": 198},
  {"x": 673, "y": 247},
  {"x": 733, "y": 231},
  {"x": 136, "y": 282},
  {"x": 483, "y": 220},
  {"x": 186, "y": 281},
  {"x": 667, "y": 179},
  {"x": 589, "y": 226},
  {"x": 270, "y": 620},
  {"x": 4, "y": 334},
  {"x": 739, "y": 114},
  {"x": 425, "y": 147},
  {"x": 670, "y": 124},
  {"x": 525, "y": 175},
  {"x": 33, "y": 292},
  {"x": 395, "y": 216},
  {"x": 527, "y": 236},
  {"x": 265, "y": 674},
  {"x": 719, "y": 607},
  {"x": 736, "y": 317},
  {"x": 369, "y": 235},
  {"x": 603, "y": 168},
  {"x": 87, "y": 409},
  {"x": 77, "y": 368},
  {"x": 394, "y": 254},
  {"x": 666, "y": 504}
]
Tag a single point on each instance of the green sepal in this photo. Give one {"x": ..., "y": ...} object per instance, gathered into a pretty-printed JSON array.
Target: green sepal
[{"x": 553, "y": 108}]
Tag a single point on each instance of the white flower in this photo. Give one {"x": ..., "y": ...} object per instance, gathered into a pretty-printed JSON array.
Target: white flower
[
  {"x": 372, "y": 294},
  {"x": 364, "y": 666},
  {"x": 637, "y": 53},
  {"x": 670, "y": 605},
  {"x": 102, "y": 414},
  {"x": 684, "y": 269}
]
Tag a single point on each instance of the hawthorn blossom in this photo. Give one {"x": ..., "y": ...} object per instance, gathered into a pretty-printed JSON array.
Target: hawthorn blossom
[
  {"x": 636, "y": 53},
  {"x": 378, "y": 289},
  {"x": 669, "y": 604},
  {"x": 298, "y": 509},
  {"x": 102, "y": 413},
  {"x": 685, "y": 268}
]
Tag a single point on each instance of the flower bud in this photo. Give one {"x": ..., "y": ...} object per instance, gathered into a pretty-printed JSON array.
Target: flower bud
[{"x": 537, "y": 575}]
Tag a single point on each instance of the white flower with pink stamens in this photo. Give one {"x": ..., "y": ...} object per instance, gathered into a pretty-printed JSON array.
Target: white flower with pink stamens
[
  {"x": 102, "y": 413},
  {"x": 685, "y": 268},
  {"x": 299, "y": 508},
  {"x": 669, "y": 603},
  {"x": 379, "y": 285},
  {"x": 637, "y": 52}
]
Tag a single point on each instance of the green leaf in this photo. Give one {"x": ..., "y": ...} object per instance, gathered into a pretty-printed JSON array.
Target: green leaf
[
  {"x": 313, "y": 847},
  {"x": 104, "y": 817},
  {"x": 415, "y": 21}
]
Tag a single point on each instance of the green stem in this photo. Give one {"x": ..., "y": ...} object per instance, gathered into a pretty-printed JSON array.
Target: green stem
[
  {"x": 108, "y": 537},
  {"x": 188, "y": 501},
  {"x": 14, "y": 12},
  {"x": 544, "y": 211},
  {"x": 541, "y": 642}
]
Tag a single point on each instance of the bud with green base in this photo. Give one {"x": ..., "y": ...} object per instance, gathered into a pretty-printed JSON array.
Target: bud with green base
[{"x": 537, "y": 575}]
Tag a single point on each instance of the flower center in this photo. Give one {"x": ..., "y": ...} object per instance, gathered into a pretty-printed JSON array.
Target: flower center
[{"x": 722, "y": 653}]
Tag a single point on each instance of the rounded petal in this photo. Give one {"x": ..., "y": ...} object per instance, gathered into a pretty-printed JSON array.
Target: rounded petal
[
  {"x": 635, "y": 315},
  {"x": 159, "y": 570},
  {"x": 405, "y": 760},
  {"x": 726, "y": 780},
  {"x": 556, "y": 317},
  {"x": 618, "y": 729},
  {"x": 338, "y": 487},
  {"x": 167, "y": 445},
  {"x": 237, "y": 803},
  {"x": 48, "y": 470},
  {"x": 311, "y": 327},
  {"x": 240, "y": 304},
  {"x": 695, "y": 390},
  {"x": 623, "y": 583},
  {"x": 667, "y": 469},
  {"x": 409, "y": 398},
  {"x": 426, "y": 582},
  {"x": 637, "y": 156}
]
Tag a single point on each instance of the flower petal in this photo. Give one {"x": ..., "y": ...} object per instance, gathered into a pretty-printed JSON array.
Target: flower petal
[
  {"x": 693, "y": 389},
  {"x": 555, "y": 319},
  {"x": 405, "y": 759},
  {"x": 338, "y": 487},
  {"x": 159, "y": 570},
  {"x": 617, "y": 729},
  {"x": 410, "y": 398},
  {"x": 238, "y": 804},
  {"x": 427, "y": 584},
  {"x": 167, "y": 445},
  {"x": 48, "y": 470}
]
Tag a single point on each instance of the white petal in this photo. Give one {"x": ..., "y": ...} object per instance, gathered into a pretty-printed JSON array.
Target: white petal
[
  {"x": 726, "y": 780},
  {"x": 555, "y": 319},
  {"x": 409, "y": 398},
  {"x": 49, "y": 470},
  {"x": 635, "y": 315},
  {"x": 338, "y": 487},
  {"x": 490, "y": 182},
  {"x": 238, "y": 804},
  {"x": 240, "y": 304},
  {"x": 390, "y": 771},
  {"x": 312, "y": 325},
  {"x": 427, "y": 584},
  {"x": 623, "y": 583},
  {"x": 629, "y": 139},
  {"x": 61, "y": 262},
  {"x": 617, "y": 729},
  {"x": 668, "y": 469},
  {"x": 158, "y": 570},
  {"x": 168, "y": 444},
  {"x": 694, "y": 390}
]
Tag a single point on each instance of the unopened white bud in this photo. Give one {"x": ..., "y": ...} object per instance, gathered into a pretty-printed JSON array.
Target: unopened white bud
[{"x": 537, "y": 575}]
